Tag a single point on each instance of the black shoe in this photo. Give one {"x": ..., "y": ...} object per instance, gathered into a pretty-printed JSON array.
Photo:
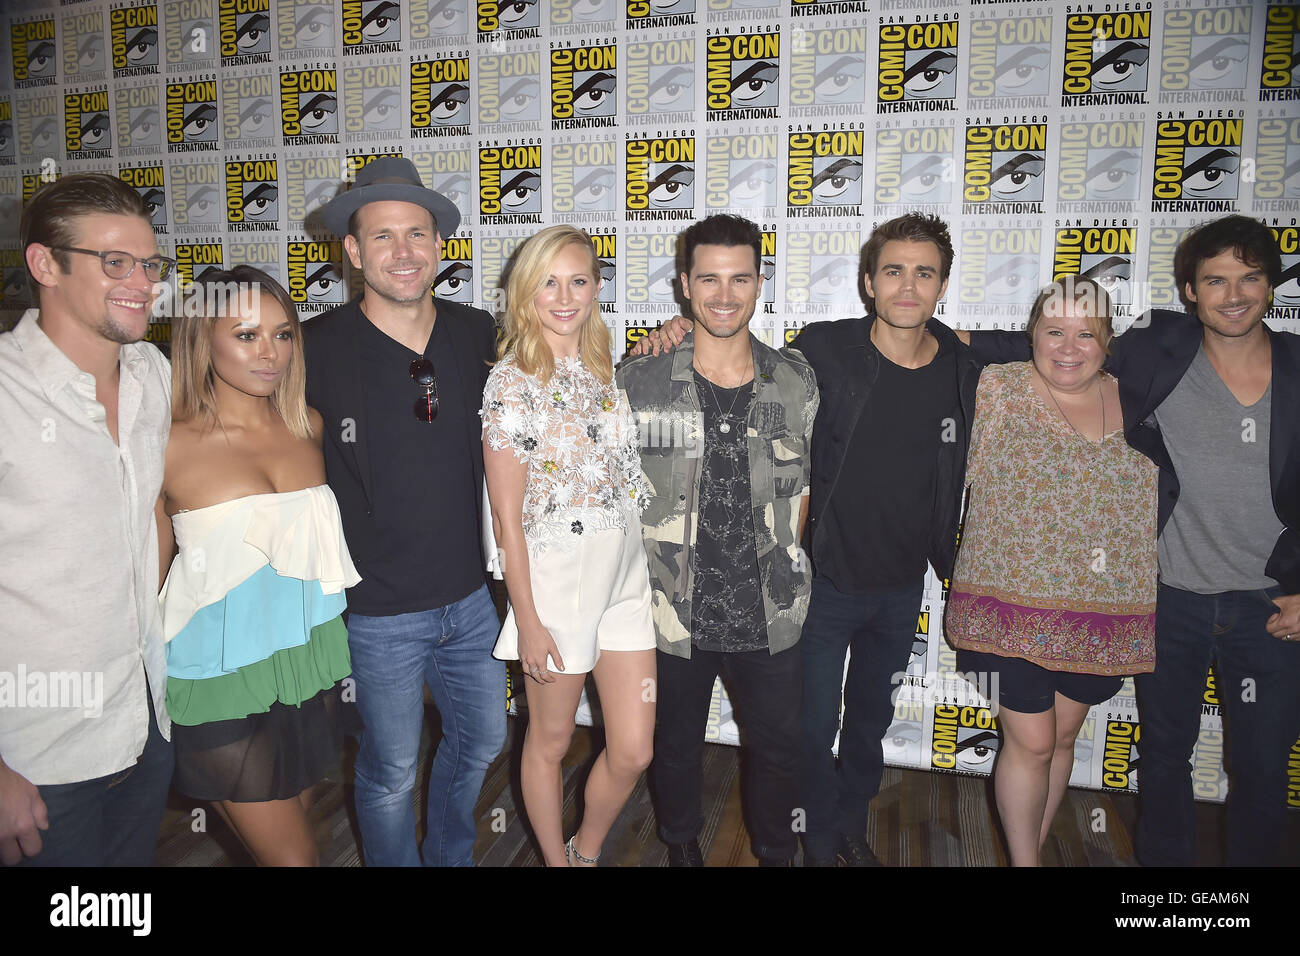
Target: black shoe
[
  {"x": 685, "y": 854},
  {"x": 819, "y": 860},
  {"x": 855, "y": 851}
]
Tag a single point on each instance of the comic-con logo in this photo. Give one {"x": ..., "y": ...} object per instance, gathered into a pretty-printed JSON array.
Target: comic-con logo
[
  {"x": 194, "y": 260},
  {"x": 743, "y": 74},
  {"x": 1009, "y": 58},
  {"x": 38, "y": 126},
  {"x": 650, "y": 268},
  {"x": 1161, "y": 243},
  {"x": 248, "y": 107},
  {"x": 999, "y": 267},
  {"x": 1119, "y": 764},
  {"x": 1004, "y": 166},
  {"x": 428, "y": 21},
  {"x": 8, "y": 151},
  {"x": 192, "y": 116},
  {"x": 1277, "y": 162},
  {"x": 566, "y": 12},
  {"x": 660, "y": 84},
  {"x": 252, "y": 195},
  {"x": 963, "y": 739},
  {"x": 13, "y": 277},
  {"x": 583, "y": 85},
  {"x": 510, "y": 183},
  {"x": 918, "y": 66},
  {"x": 309, "y": 106},
  {"x": 583, "y": 178},
  {"x": 84, "y": 56},
  {"x": 828, "y": 69},
  {"x": 148, "y": 182},
  {"x": 372, "y": 101},
  {"x": 440, "y": 97},
  {"x": 133, "y": 39},
  {"x": 1106, "y": 58},
  {"x": 309, "y": 183},
  {"x": 455, "y": 278},
  {"x": 825, "y": 173},
  {"x": 1196, "y": 165},
  {"x": 265, "y": 254},
  {"x": 450, "y": 172},
  {"x": 652, "y": 14},
  {"x": 196, "y": 194},
  {"x": 660, "y": 177},
  {"x": 1279, "y": 75},
  {"x": 1100, "y": 162},
  {"x": 740, "y": 172},
  {"x": 371, "y": 26},
  {"x": 139, "y": 122},
  {"x": 821, "y": 268},
  {"x": 509, "y": 88},
  {"x": 1204, "y": 50},
  {"x": 1102, "y": 253},
  {"x": 86, "y": 130},
  {"x": 821, "y": 8},
  {"x": 244, "y": 31},
  {"x": 1286, "y": 294},
  {"x": 513, "y": 19},
  {"x": 306, "y": 25},
  {"x": 914, "y": 167},
  {"x": 314, "y": 281},
  {"x": 494, "y": 252},
  {"x": 606, "y": 245},
  {"x": 31, "y": 46},
  {"x": 190, "y": 35}
]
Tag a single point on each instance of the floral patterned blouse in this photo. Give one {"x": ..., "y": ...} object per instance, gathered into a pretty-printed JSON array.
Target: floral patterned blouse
[
  {"x": 580, "y": 446},
  {"x": 1058, "y": 555}
]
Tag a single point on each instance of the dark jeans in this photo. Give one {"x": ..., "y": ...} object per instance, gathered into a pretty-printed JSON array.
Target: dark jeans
[
  {"x": 1261, "y": 721},
  {"x": 878, "y": 629},
  {"x": 112, "y": 820},
  {"x": 764, "y": 690}
]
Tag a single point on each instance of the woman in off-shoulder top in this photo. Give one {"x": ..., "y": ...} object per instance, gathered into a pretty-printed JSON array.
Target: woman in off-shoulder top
[
  {"x": 564, "y": 477},
  {"x": 257, "y": 649}
]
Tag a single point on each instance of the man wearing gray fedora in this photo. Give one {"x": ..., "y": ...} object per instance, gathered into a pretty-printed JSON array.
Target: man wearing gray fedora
[{"x": 398, "y": 376}]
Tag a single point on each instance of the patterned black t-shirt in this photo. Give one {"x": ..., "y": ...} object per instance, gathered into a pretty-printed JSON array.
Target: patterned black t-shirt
[{"x": 727, "y": 602}]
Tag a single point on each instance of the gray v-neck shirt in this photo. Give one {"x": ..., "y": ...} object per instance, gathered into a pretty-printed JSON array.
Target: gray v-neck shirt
[{"x": 1223, "y": 527}]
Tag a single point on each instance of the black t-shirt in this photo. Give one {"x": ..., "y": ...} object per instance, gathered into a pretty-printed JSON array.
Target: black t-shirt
[
  {"x": 422, "y": 482},
  {"x": 727, "y": 611},
  {"x": 884, "y": 497}
]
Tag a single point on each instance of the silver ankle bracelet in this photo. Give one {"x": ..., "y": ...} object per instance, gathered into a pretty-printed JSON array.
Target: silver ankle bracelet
[{"x": 573, "y": 851}]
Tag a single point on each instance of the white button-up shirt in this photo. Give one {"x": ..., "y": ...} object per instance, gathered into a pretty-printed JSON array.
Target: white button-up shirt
[{"x": 79, "y": 620}]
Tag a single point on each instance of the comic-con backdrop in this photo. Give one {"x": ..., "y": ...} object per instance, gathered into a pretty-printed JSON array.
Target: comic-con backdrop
[{"x": 1054, "y": 138}]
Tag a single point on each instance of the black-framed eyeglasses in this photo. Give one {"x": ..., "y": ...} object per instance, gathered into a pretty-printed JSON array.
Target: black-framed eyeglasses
[
  {"x": 120, "y": 265},
  {"x": 426, "y": 406}
]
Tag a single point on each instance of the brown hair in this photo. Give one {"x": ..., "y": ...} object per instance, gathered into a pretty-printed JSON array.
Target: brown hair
[
  {"x": 1083, "y": 292},
  {"x": 912, "y": 227}
]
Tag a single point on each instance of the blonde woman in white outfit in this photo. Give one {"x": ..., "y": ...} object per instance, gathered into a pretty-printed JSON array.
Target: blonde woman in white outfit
[{"x": 565, "y": 482}]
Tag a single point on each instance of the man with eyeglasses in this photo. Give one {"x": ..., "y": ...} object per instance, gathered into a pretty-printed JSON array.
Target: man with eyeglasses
[
  {"x": 85, "y": 410},
  {"x": 398, "y": 376}
]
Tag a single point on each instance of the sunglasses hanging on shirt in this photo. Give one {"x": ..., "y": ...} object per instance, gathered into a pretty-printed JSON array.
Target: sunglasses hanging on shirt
[{"x": 426, "y": 406}]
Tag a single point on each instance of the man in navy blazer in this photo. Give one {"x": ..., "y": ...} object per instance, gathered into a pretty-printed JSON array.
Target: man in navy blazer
[{"x": 398, "y": 377}]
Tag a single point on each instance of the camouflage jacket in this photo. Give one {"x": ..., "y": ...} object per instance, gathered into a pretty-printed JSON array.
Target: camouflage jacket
[{"x": 661, "y": 392}]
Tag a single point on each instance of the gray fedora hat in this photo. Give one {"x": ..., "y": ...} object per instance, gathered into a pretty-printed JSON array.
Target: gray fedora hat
[{"x": 391, "y": 178}]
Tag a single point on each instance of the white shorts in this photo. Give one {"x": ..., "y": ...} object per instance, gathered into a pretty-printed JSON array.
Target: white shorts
[{"x": 592, "y": 598}]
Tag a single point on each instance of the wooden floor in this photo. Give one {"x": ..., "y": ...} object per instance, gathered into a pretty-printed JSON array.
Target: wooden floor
[{"x": 919, "y": 819}]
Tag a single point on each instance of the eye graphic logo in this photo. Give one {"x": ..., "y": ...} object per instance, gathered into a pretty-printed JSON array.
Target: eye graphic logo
[
  {"x": 660, "y": 177},
  {"x": 307, "y": 26},
  {"x": 1009, "y": 57},
  {"x": 148, "y": 182},
  {"x": 1004, "y": 168},
  {"x": 83, "y": 46},
  {"x": 32, "y": 49},
  {"x": 133, "y": 35},
  {"x": 7, "y": 145},
  {"x": 583, "y": 86},
  {"x": 1106, "y": 58},
  {"x": 430, "y": 20},
  {"x": 510, "y": 88},
  {"x": 309, "y": 106},
  {"x": 87, "y": 134},
  {"x": 743, "y": 75},
  {"x": 1100, "y": 161},
  {"x": 510, "y": 182},
  {"x": 583, "y": 177},
  {"x": 606, "y": 245},
  {"x": 651, "y": 268},
  {"x": 309, "y": 182},
  {"x": 314, "y": 280},
  {"x": 1102, "y": 254},
  {"x": 192, "y": 116},
  {"x": 1196, "y": 165},
  {"x": 372, "y": 101},
  {"x": 649, "y": 14},
  {"x": 371, "y": 26},
  {"x": 508, "y": 15},
  {"x": 1286, "y": 294},
  {"x": 38, "y": 125},
  {"x": 440, "y": 97},
  {"x": 139, "y": 125},
  {"x": 248, "y": 107},
  {"x": 244, "y": 27},
  {"x": 999, "y": 267},
  {"x": 252, "y": 194},
  {"x": 455, "y": 278},
  {"x": 917, "y": 62},
  {"x": 1204, "y": 50},
  {"x": 741, "y": 172},
  {"x": 660, "y": 80},
  {"x": 1280, "y": 68},
  {"x": 825, "y": 169},
  {"x": 196, "y": 194},
  {"x": 13, "y": 277},
  {"x": 828, "y": 67},
  {"x": 914, "y": 167},
  {"x": 564, "y": 12}
]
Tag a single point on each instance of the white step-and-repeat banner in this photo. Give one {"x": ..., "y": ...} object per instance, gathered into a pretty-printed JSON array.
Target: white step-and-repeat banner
[{"x": 1054, "y": 138}]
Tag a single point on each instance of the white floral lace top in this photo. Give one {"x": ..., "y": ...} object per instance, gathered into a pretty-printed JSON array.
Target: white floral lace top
[{"x": 580, "y": 446}]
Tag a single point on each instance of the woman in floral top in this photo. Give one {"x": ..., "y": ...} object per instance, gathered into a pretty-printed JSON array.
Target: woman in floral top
[
  {"x": 564, "y": 478},
  {"x": 1054, "y": 591}
]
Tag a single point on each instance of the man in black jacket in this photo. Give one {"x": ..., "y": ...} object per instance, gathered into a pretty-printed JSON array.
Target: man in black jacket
[{"x": 398, "y": 377}]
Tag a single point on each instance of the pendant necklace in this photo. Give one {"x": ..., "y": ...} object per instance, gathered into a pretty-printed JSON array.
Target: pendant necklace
[
  {"x": 1061, "y": 411},
  {"x": 724, "y": 425}
]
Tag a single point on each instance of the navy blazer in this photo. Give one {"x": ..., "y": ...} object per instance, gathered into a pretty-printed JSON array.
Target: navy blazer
[
  {"x": 1149, "y": 361},
  {"x": 334, "y": 389}
]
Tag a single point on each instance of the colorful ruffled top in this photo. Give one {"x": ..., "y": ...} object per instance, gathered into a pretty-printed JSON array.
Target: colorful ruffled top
[{"x": 251, "y": 606}]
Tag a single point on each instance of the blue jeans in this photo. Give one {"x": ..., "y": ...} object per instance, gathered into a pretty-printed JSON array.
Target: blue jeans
[
  {"x": 878, "y": 628},
  {"x": 1261, "y": 721},
  {"x": 393, "y": 659},
  {"x": 112, "y": 820}
]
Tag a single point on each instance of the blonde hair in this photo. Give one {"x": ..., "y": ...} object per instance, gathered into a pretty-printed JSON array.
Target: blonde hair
[
  {"x": 193, "y": 395},
  {"x": 1087, "y": 295},
  {"x": 522, "y": 325}
]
